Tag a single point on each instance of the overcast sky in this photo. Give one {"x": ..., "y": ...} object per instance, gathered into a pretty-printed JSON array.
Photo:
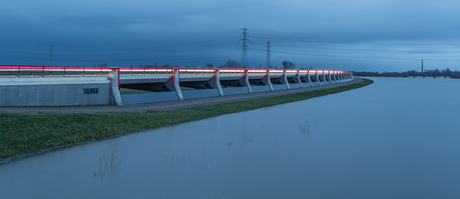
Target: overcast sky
[{"x": 362, "y": 35}]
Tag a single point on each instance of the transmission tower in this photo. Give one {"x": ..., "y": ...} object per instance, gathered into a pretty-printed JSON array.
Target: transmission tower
[
  {"x": 244, "y": 54},
  {"x": 268, "y": 54},
  {"x": 422, "y": 65},
  {"x": 51, "y": 55}
]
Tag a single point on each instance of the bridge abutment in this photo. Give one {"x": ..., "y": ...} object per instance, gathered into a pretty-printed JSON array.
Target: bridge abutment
[
  {"x": 55, "y": 91},
  {"x": 115, "y": 96}
]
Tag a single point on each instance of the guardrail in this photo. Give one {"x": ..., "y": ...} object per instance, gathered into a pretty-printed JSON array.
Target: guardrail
[
  {"x": 65, "y": 71},
  {"x": 50, "y": 71}
]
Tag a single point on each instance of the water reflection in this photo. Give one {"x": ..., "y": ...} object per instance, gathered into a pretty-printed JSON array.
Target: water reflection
[
  {"x": 108, "y": 162},
  {"x": 305, "y": 128},
  {"x": 394, "y": 139}
]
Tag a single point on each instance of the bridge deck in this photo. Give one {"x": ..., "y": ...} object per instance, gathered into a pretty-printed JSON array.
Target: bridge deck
[{"x": 20, "y": 83}]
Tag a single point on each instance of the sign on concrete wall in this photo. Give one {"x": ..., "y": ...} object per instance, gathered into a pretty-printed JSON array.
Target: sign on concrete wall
[{"x": 61, "y": 92}]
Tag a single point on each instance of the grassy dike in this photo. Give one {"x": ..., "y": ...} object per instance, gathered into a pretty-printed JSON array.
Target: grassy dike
[{"x": 26, "y": 133}]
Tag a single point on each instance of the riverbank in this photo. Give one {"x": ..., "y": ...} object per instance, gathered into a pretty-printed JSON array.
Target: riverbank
[{"x": 24, "y": 134}]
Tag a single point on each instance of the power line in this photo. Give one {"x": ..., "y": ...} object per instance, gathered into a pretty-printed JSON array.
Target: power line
[{"x": 298, "y": 40}]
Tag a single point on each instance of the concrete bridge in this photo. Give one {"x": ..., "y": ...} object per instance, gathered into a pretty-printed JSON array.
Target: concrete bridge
[{"x": 62, "y": 86}]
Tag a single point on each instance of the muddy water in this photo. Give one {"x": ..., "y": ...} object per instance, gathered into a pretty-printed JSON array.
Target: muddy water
[{"x": 397, "y": 138}]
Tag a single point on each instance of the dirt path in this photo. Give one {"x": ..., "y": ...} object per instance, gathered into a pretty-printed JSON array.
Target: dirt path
[{"x": 162, "y": 106}]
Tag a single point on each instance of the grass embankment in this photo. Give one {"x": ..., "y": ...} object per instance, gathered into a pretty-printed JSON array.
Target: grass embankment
[
  {"x": 22, "y": 133},
  {"x": 131, "y": 91},
  {"x": 135, "y": 91}
]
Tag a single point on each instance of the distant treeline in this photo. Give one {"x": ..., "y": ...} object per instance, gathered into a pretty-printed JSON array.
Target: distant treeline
[
  {"x": 228, "y": 64},
  {"x": 428, "y": 73}
]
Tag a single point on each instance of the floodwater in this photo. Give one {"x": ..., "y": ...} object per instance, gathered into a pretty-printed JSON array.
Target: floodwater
[{"x": 397, "y": 138}]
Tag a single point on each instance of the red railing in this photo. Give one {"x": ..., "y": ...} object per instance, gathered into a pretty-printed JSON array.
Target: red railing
[{"x": 64, "y": 71}]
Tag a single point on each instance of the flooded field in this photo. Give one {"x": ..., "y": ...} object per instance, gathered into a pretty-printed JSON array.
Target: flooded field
[{"x": 397, "y": 138}]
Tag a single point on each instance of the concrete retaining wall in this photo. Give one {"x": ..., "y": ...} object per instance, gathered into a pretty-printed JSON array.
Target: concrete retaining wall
[{"x": 54, "y": 91}]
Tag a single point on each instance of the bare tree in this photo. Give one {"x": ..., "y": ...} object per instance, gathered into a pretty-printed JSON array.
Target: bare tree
[
  {"x": 231, "y": 64},
  {"x": 288, "y": 65}
]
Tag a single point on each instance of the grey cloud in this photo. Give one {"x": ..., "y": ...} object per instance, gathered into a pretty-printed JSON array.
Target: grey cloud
[{"x": 358, "y": 34}]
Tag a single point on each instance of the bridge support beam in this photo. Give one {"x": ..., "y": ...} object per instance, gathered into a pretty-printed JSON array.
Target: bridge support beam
[
  {"x": 269, "y": 81},
  {"x": 324, "y": 77},
  {"x": 285, "y": 79},
  {"x": 335, "y": 76},
  {"x": 176, "y": 85},
  {"x": 309, "y": 78},
  {"x": 115, "y": 96},
  {"x": 298, "y": 79},
  {"x": 338, "y": 77},
  {"x": 246, "y": 80},
  {"x": 329, "y": 77},
  {"x": 317, "y": 78},
  {"x": 217, "y": 82}
]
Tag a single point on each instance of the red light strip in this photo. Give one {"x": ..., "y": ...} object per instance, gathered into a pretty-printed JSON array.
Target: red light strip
[{"x": 125, "y": 69}]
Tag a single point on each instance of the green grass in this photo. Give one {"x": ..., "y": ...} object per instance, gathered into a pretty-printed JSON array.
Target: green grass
[
  {"x": 22, "y": 133},
  {"x": 135, "y": 91},
  {"x": 183, "y": 88},
  {"x": 131, "y": 91}
]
